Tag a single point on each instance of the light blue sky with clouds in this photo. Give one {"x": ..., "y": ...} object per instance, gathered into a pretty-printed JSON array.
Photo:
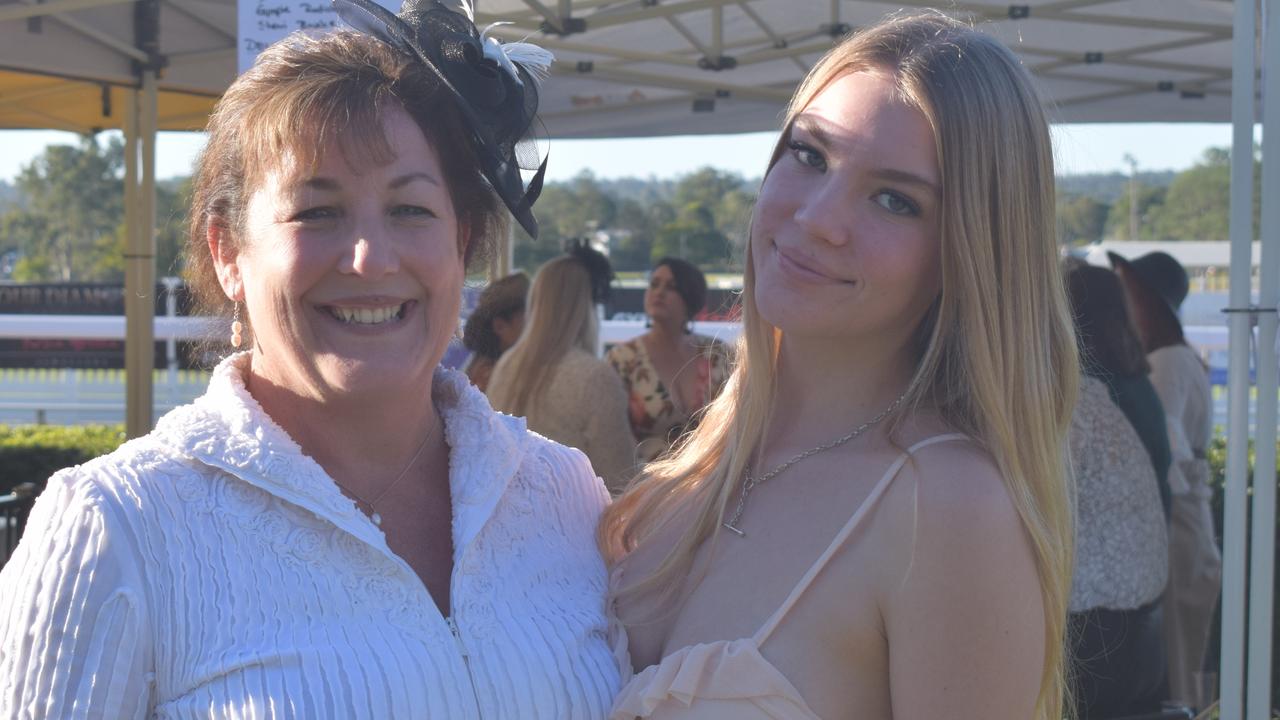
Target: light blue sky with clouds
[{"x": 1079, "y": 149}]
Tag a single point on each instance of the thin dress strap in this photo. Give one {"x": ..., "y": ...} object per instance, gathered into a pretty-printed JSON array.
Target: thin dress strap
[{"x": 772, "y": 623}]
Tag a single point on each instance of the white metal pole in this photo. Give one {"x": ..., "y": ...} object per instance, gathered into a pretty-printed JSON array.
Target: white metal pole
[
  {"x": 1243, "y": 113},
  {"x": 1263, "y": 541}
]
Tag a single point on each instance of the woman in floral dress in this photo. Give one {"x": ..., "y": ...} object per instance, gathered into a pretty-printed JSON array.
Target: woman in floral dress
[{"x": 669, "y": 372}]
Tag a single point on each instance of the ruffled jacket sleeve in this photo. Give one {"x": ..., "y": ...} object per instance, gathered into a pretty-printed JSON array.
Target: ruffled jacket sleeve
[{"x": 73, "y": 638}]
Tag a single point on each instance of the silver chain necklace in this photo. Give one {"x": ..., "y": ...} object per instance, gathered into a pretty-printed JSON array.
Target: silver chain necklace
[
  {"x": 374, "y": 515},
  {"x": 751, "y": 482}
]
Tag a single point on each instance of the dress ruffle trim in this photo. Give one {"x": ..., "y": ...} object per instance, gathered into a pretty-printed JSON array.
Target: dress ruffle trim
[{"x": 727, "y": 670}]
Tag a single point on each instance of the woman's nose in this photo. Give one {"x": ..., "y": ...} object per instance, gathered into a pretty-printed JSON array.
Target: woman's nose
[
  {"x": 373, "y": 253},
  {"x": 826, "y": 212}
]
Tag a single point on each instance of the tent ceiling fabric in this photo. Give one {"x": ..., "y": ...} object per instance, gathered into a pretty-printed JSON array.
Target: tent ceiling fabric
[
  {"x": 646, "y": 67},
  {"x": 640, "y": 67},
  {"x": 54, "y": 67}
]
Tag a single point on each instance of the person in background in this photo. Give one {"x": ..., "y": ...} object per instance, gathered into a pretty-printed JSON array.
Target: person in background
[
  {"x": 552, "y": 377},
  {"x": 1155, "y": 285},
  {"x": 338, "y": 528},
  {"x": 1111, "y": 351},
  {"x": 669, "y": 373},
  {"x": 874, "y": 519},
  {"x": 1122, "y": 563},
  {"x": 494, "y": 326},
  {"x": 1122, "y": 555}
]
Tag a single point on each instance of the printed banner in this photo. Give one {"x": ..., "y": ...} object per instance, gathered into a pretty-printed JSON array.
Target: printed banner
[{"x": 262, "y": 22}]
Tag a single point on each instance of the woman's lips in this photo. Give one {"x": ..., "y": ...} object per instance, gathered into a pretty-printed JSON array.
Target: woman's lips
[{"x": 792, "y": 265}]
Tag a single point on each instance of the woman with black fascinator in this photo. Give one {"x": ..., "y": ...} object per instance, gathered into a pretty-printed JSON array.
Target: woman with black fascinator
[
  {"x": 552, "y": 375},
  {"x": 338, "y": 528}
]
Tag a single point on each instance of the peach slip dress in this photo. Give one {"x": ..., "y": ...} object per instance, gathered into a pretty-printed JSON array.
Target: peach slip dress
[{"x": 731, "y": 678}]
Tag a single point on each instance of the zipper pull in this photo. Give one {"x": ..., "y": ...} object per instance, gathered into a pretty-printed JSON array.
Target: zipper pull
[{"x": 457, "y": 636}]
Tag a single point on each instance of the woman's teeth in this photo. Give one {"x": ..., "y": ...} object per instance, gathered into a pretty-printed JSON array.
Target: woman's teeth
[{"x": 367, "y": 316}]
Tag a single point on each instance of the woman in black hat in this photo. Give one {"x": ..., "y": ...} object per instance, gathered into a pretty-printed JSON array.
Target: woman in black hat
[{"x": 1156, "y": 284}]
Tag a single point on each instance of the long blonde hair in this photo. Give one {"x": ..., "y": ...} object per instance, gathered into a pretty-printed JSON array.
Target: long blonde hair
[
  {"x": 997, "y": 353},
  {"x": 560, "y": 316}
]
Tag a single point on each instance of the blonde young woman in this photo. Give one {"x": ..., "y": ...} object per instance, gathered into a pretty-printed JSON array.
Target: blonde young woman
[
  {"x": 874, "y": 519},
  {"x": 552, "y": 376}
]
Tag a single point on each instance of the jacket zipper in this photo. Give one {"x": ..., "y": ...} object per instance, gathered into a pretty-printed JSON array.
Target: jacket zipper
[{"x": 466, "y": 662}]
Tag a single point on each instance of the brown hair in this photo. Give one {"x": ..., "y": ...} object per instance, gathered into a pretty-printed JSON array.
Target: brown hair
[
  {"x": 1109, "y": 343},
  {"x": 302, "y": 93},
  {"x": 691, "y": 284}
]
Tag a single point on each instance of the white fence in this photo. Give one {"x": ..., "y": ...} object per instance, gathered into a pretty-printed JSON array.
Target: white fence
[
  {"x": 68, "y": 397},
  {"x": 59, "y": 396}
]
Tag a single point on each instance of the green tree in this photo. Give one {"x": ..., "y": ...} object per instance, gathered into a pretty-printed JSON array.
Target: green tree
[
  {"x": 724, "y": 195},
  {"x": 1198, "y": 205},
  {"x": 633, "y": 237},
  {"x": 1149, "y": 201},
  {"x": 565, "y": 211},
  {"x": 1081, "y": 219},
  {"x": 74, "y": 195},
  {"x": 29, "y": 234},
  {"x": 694, "y": 236}
]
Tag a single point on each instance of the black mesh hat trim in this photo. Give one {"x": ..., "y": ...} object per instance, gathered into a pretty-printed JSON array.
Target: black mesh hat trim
[{"x": 499, "y": 111}]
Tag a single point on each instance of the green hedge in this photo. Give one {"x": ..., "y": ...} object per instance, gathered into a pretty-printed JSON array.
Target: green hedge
[{"x": 31, "y": 453}]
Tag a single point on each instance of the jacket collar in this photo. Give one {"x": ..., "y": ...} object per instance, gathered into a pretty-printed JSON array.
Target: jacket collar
[{"x": 227, "y": 429}]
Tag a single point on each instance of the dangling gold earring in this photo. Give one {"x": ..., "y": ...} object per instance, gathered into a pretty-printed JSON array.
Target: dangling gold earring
[{"x": 237, "y": 328}]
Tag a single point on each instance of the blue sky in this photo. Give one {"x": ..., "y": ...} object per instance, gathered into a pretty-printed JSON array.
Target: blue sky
[{"x": 1079, "y": 149}]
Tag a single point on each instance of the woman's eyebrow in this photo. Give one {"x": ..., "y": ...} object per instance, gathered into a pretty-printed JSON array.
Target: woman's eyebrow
[
  {"x": 413, "y": 176},
  {"x": 910, "y": 178},
  {"x": 813, "y": 127},
  {"x": 325, "y": 184},
  {"x": 824, "y": 138}
]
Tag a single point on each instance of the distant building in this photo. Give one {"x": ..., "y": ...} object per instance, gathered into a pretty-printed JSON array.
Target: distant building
[{"x": 1208, "y": 262}]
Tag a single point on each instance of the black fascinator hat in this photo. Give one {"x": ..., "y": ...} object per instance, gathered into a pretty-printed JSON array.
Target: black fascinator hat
[
  {"x": 495, "y": 85},
  {"x": 597, "y": 266}
]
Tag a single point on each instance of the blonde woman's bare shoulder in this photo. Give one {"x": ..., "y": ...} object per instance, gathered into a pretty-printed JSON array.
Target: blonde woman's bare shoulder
[{"x": 964, "y": 612}]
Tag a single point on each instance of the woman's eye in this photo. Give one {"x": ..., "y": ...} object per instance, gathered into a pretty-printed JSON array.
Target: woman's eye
[
  {"x": 411, "y": 211},
  {"x": 315, "y": 214},
  {"x": 806, "y": 155},
  {"x": 896, "y": 203}
]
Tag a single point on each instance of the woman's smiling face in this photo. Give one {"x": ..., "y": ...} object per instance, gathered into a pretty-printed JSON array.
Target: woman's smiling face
[
  {"x": 845, "y": 241},
  {"x": 352, "y": 275}
]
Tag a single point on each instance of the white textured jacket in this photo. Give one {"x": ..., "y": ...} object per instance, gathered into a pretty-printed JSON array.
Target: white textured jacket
[{"x": 212, "y": 570}]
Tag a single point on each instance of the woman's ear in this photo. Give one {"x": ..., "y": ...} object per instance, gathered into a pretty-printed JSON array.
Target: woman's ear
[{"x": 225, "y": 260}]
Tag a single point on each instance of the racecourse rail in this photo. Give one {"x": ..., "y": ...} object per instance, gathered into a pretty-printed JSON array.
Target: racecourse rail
[{"x": 70, "y": 396}]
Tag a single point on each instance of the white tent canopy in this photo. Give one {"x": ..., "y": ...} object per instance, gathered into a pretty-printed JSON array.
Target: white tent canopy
[
  {"x": 661, "y": 67},
  {"x": 720, "y": 66},
  {"x": 632, "y": 68}
]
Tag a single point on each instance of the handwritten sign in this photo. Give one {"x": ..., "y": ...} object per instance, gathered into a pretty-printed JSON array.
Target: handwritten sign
[{"x": 262, "y": 22}]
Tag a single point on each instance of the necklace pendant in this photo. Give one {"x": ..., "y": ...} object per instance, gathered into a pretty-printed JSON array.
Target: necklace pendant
[
  {"x": 376, "y": 518},
  {"x": 733, "y": 529}
]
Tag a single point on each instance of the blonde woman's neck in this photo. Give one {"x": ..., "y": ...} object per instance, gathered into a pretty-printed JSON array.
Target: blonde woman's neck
[{"x": 823, "y": 385}]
